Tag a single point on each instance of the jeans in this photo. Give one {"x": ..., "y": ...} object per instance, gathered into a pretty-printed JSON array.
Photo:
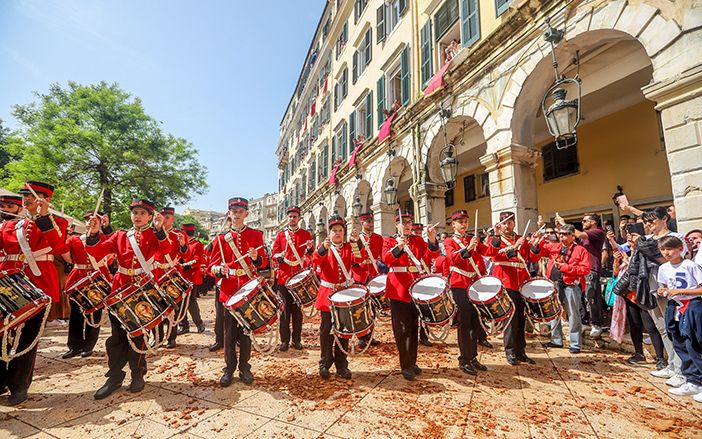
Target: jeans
[
  {"x": 570, "y": 297},
  {"x": 658, "y": 315}
]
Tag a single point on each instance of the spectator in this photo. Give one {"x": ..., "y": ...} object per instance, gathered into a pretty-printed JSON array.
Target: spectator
[
  {"x": 672, "y": 221},
  {"x": 693, "y": 239},
  {"x": 451, "y": 50}
]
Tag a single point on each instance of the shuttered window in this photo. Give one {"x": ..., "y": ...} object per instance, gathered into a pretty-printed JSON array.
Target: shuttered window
[
  {"x": 426, "y": 69},
  {"x": 470, "y": 22}
]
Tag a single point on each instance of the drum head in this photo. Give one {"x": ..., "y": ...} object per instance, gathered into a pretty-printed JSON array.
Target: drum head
[
  {"x": 299, "y": 277},
  {"x": 428, "y": 288},
  {"x": 485, "y": 288},
  {"x": 348, "y": 295},
  {"x": 378, "y": 284},
  {"x": 243, "y": 293},
  {"x": 537, "y": 289}
]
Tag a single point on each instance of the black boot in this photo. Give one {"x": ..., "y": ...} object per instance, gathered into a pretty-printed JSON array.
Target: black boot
[
  {"x": 17, "y": 397},
  {"x": 107, "y": 389},
  {"x": 226, "y": 379},
  {"x": 137, "y": 384}
]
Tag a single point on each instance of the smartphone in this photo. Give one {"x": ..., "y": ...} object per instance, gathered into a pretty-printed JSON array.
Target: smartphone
[
  {"x": 609, "y": 228},
  {"x": 636, "y": 228}
]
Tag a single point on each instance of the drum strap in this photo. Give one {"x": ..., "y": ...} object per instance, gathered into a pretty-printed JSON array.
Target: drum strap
[
  {"x": 347, "y": 276},
  {"x": 26, "y": 249},
  {"x": 470, "y": 259},
  {"x": 92, "y": 260},
  {"x": 145, "y": 265},
  {"x": 293, "y": 247},
  {"x": 521, "y": 259},
  {"x": 414, "y": 259},
  {"x": 230, "y": 240},
  {"x": 370, "y": 254}
]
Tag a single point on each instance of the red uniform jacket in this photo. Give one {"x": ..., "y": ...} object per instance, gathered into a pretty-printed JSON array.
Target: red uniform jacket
[
  {"x": 460, "y": 265},
  {"x": 46, "y": 236},
  {"x": 364, "y": 270},
  {"x": 511, "y": 271},
  {"x": 576, "y": 263},
  {"x": 289, "y": 264},
  {"x": 328, "y": 270},
  {"x": 399, "y": 282},
  {"x": 194, "y": 261},
  {"x": 150, "y": 242},
  {"x": 175, "y": 253},
  {"x": 244, "y": 239},
  {"x": 82, "y": 266}
]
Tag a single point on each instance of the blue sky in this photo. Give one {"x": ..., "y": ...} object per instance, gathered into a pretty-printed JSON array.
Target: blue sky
[{"x": 218, "y": 73}]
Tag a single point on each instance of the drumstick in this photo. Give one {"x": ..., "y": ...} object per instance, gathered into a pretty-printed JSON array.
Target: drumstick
[
  {"x": 12, "y": 214},
  {"x": 503, "y": 221},
  {"x": 526, "y": 227},
  {"x": 476, "y": 223},
  {"x": 244, "y": 256},
  {"x": 402, "y": 230},
  {"x": 99, "y": 200}
]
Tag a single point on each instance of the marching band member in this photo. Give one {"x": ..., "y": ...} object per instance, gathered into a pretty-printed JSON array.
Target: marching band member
[
  {"x": 372, "y": 244},
  {"x": 29, "y": 245},
  {"x": 235, "y": 257},
  {"x": 334, "y": 260},
  {"x": 509, "y": 253},
  {"x": 418, "y": 230},
  {"x": 141, "y": 242},
  {"x": 406, "y": 255},
  {"x": 81, "y": 336},
  {"x": 192, "y": 266},
  {"x": 164, "y": 261},
  {"x": 466, "y": 264},
  {"x": 292, "y": 248}
]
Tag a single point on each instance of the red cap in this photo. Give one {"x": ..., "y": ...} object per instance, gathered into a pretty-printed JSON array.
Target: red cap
[
  {"x": 188, "y": 227},
  {"x": 459, "y": 214},
  {"x": 39, "y": 187},
  {"x": 417, "y": 226},
  {"x": 168, "y": 210},
  {"x": 239, "y": 202},
  {"x": 11, "y": 199},
  {"x": 405, "y": 216},
  {"x": 293, "y": 209},
  {"x": 365, "y": 216},
  {"x": 144, "y": 204},
  {"x": 336, "y": 219},
  {"x": 505, "y": 215}
]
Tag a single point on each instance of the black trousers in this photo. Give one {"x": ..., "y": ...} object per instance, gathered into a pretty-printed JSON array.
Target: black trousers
[
  {"x": 193, "y": 308},
  {"x": 330, "y": 352},
  {"x": 595, "y": 299},
  {"x": 219, "y": 319},
  {"x": 119, "y": 353},
  {"x": 233, "y": 334},
  {"x": 81, "y": 336},
  {"x": 468, "y": 325},
  {"x": 17, "y": 374},
  {"x": 405, "y": 328},
  {"x": 515, "y": 340},
  {"x": 290, "y": 312},
  {"x": 640, "y": 321}
]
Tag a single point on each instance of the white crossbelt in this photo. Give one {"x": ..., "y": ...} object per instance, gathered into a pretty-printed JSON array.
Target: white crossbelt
[
  {"x": 463, "y": 272},
  {"x": 291, "y": 263},
  {"x": 335, "y": 286},
  {"x": 410, "y": 269},
  {"x": 82, "y": 266},
  {"x": 509, "y": 264}
]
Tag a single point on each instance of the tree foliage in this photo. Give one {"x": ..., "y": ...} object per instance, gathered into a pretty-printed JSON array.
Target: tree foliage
[
  {"x": 88, "y": 138},
  {"x": 200, "y": 231}
]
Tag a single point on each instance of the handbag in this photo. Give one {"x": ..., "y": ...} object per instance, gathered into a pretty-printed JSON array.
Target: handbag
[{"x": 609, "y": 295}]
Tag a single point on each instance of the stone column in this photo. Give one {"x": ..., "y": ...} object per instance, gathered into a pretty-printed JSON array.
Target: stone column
[
  {"x": 384, "y": 219},
  {"x": 680, "y": 102},
  {"x": 432, "y": 205},
  {"x": 513, "y": 183}
]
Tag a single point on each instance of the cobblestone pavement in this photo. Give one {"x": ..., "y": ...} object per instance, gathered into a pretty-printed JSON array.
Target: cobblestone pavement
[{"x": 594, "y": 394}]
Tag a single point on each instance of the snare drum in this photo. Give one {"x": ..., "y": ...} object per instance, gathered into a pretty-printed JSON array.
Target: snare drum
[
  {"x": 175, "y": 285},
  {"x": 20, "y": 300},
  {"x": 376, "y": 288},
  {"x": 541, "y": 298},
  {"x": 139, "y": 306},
  {"x": 431, "y": 295},
  {"x": 90, "y": 292},
  {"x": 255, "y": 305},
  {"x": 492, "y": 302},
  {"x": 352, "y": 313},
  {"x": 303, "y": 287}
]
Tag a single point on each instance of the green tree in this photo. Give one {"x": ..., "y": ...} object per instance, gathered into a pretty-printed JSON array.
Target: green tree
[
  {"x": 88, "y": 138},
  {"x": 200, "y": 232}
]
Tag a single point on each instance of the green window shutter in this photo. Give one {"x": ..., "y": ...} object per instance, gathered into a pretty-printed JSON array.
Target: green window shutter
[
  {"x": 405, "y": 75},
  {"x": 381, "y": 100},
  {"x": 501, "y": 6},
  {"x": 470, "y": 22},
  {"x": 354, "y": 74},
  {"x": 369, "y": 47},
  {"x": 369, "y": 115},
  {"x": 344, "y": 147},
  {"x": 403, "y": 6},
  {"x": 352, "y": 127},
  {"x": 380, "y": 24},
  {"x": 426, "y": 64},
  {"x": 333, "y": 151}
]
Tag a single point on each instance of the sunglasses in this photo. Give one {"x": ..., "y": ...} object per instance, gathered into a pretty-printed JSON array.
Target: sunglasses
[{"x": 564, "y": 233}]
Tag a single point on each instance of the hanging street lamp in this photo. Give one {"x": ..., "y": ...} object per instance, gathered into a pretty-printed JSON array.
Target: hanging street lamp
[{"x": 390, "y": 191}]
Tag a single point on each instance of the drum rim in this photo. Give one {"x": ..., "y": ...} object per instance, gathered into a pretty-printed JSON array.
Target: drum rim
[
  {"x": 135, "y": 286},
  {"x": 289, "y": 284},
  {"x": 152, "y": 324},
  {"x": 425, "y": 276},
  {"x": 492, "y": 299},
  {"x": 25, "y": 313},
  {"x": 529, "y": 299},
  {"x": 262, "y": 284},
  {"x": 88, "y": 278},
  {"x": 353, "y": 302},
  {"x": 350, "y": 335}
]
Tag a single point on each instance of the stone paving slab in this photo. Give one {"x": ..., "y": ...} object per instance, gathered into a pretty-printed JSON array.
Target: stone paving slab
[{"x": 592, "y": 395}]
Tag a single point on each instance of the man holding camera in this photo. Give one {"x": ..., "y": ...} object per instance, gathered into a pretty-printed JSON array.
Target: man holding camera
[{"x": 568, "y": 263}]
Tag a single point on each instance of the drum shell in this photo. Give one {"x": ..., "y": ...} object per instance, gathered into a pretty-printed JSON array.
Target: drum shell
[
  {"x": 497, "y": 309},
  {"x": 354, "y": 318},
  {"x": 139, "y": 316},
  {"x": 304, "y": 291},
  {"x": 440, "y": 309},
  {"x": 255, "y": 309},
  {"x": 21, "y": 299},
  {"x": 79, "y": 292},
  {"x": 545, "y": 309},
  {"x": 175, "y": 285}
]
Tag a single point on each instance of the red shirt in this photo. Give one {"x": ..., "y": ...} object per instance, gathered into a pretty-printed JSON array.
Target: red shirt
[
  {"x": 244, "y": 239},
  {"x": 453, "y": 254},
  {"x": 195, "y": 260},
  {"x": 576, "y": 263},
  {"x": 364, "y": 269},
  {"x": 46, "y": 235},
  {"x": 398, "y": 283},
  {"x": 512, "y": 277},
  {"x": 290, "y": 265},
  {"x": 173, "y": 256},
  {"x": 149, "y": 242},
  {"x": 329, "y": 270},
  {"x": 79, "y": 255}
]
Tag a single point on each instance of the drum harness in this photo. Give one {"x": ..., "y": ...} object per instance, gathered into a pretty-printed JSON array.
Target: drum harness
[
  {"x": 273, "y": 336},
  {"x": 90, "y": 320},
  {"x": 370, "y": 254},
  {"x": 10, "y": 343},
  {"x": 290, "y": 243},
  {"x": 349, "y": 282}
]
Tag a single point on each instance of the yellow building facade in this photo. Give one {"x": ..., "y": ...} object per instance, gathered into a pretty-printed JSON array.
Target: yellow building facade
[{"x": 640, "y": 104}]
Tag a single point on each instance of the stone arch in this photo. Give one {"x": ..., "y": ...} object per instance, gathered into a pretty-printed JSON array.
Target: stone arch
[
  {"x": 400, "y": 171},
  {"x": 340, "y": 206},
  {"x": 467, "y": 135},
  {"x": 364, "y": 191}
]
